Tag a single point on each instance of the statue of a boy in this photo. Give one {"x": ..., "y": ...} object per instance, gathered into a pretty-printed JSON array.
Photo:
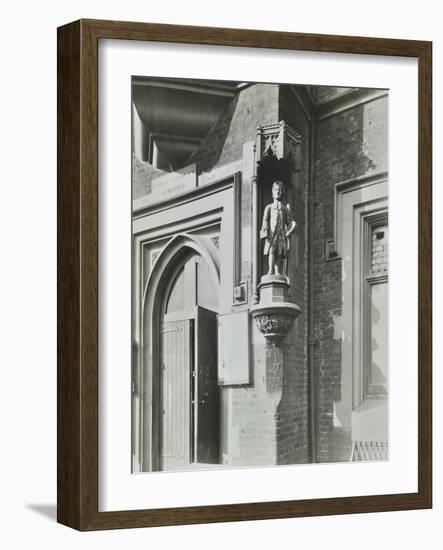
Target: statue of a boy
[{"x": 277, "y": 228}]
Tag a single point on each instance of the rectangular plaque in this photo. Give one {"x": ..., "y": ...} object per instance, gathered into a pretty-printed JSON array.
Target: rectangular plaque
[{"x": 233, "y": 346}]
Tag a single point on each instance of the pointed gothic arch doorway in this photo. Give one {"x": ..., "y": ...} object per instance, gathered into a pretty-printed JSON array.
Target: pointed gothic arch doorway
[{"x": 189, "y": 401}]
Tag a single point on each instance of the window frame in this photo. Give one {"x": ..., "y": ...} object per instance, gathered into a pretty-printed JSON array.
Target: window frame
[{"x": 367, "y": 281}]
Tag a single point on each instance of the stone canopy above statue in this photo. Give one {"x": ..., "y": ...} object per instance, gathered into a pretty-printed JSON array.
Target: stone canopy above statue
[{"x": 279, "y": 150}]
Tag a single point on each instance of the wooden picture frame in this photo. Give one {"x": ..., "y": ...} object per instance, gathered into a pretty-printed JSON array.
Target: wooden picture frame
[{"x": 77, "y": 455}]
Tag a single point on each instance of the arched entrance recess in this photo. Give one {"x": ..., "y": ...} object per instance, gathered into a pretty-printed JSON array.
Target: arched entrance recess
[{"x": 181, "y": 408}]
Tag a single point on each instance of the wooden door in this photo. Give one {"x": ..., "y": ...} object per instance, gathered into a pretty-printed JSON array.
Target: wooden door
[
  {"x": 176, "y": 395},
  {"x": 208, "y": 401},
  {"x": 189, "y": 397}
]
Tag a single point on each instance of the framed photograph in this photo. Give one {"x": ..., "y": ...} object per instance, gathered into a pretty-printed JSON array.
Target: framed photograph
[{"x": 244, "y": 275}]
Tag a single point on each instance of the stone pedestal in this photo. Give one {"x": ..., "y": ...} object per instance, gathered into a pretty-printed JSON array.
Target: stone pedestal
[
  {"x": 273, "y": 415},
  {"x": 275, "y": 313}
]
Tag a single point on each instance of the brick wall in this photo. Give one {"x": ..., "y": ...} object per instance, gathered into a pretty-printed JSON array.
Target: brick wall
[
  {"x": 347, "y": 145},
  {"x": 293, "y": 409},
  {"x": 142, "y": 175},
  {"x": 269, "y": 418},
  {"x": 253, "y": 106}
]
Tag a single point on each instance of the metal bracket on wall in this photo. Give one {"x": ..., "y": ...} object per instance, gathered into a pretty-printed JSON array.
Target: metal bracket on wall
[
  {"x": 241, "y": 293},
  {"x": 331, "y": 251}
]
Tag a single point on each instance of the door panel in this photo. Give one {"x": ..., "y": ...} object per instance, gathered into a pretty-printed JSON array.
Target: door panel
[
  {"x": 175, "y": 395},
  {"x": 208, "y": 402}
]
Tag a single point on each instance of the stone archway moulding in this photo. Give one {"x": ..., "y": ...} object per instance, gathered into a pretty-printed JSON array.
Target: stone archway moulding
[
  {"x": 175, "y": 248},
  {"x": 174, "y": 251}
]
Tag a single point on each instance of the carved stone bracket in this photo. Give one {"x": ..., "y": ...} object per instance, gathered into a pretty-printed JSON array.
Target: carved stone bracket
[
  {"x": 331, "y": 250},
  {"x": 275, "y": 322},
  {"x": 275, "y": 314}
]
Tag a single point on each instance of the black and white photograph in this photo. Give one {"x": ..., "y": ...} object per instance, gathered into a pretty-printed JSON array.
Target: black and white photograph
[
  {"x": 221, "y": 275},
  {"x": 260, "y": 269}
]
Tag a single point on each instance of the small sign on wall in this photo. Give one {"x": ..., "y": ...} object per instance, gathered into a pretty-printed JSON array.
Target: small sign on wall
[{"x": 233, "y": 348}]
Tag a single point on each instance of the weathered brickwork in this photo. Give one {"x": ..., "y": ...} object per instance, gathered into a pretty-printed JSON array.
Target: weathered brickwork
[
  {"x": 253, "y": 418},
  {"x": 257, "y": 104},
  {"x": 348, "y": 145},
  {"x": 268, "y": 418},
  {"x": 142, "y": 175},
  {"x": 294, "y": 405},
  {"x": 292, "y": 410}
]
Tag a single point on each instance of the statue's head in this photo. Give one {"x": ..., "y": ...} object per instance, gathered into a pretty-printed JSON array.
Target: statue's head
[{"x": 278, "y": 190}]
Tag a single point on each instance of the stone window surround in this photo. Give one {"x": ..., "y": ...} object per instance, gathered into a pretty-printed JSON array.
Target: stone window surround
[
  {"x": 357, "y": 202},
  {"x": 367, "y": 280}
]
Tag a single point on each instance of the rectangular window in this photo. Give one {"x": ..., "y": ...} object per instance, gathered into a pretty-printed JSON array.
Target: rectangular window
[{"x": 375, "y": 309}]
